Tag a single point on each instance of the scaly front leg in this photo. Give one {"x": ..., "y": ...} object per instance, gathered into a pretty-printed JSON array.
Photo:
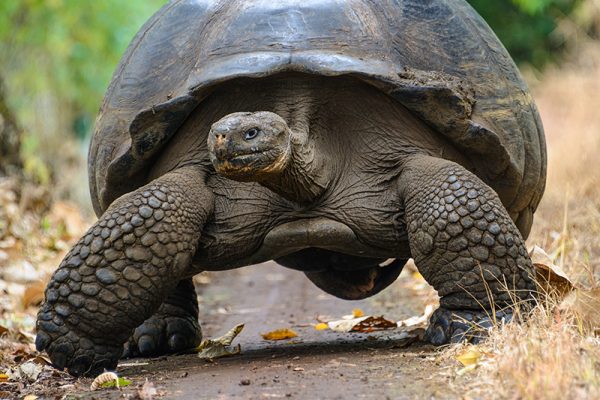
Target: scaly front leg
[
  {"x": 120, "y": 272},
  {"x": 464, "y": 244}
]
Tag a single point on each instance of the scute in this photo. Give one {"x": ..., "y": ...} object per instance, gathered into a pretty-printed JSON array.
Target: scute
[{"x": 436, "y": 57}]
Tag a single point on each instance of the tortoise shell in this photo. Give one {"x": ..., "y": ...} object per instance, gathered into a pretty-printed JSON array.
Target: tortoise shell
[{"x": 436, "y": 57}]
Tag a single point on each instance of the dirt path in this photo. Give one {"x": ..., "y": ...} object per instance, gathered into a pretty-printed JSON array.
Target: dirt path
[{"x": 315, "y": 365}]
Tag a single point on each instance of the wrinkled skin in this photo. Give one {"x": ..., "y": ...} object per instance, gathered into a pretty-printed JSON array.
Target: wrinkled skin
[{"x": 325, "y": 175}]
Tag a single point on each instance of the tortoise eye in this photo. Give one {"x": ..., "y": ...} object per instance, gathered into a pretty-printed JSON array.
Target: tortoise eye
[{"x": 251, "y": 134}]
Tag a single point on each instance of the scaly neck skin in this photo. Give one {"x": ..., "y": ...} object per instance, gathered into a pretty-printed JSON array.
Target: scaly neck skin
[{"x": 305, "y": 176}]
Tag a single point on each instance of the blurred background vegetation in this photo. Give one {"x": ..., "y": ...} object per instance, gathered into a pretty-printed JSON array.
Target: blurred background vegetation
[{"x": 57, "y": 57}]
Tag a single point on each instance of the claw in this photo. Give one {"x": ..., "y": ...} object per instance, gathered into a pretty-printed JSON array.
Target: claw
[
  {"x": 146, "y": 345},
  {"x": 457, "y": 326},
  {"x": 458, "y": 336},
  {"x": 436, "y": 335},
  {"x": 177, "y": 342},
  {"x": 42, "y": 341},
  {"x": 80, "y": 365},
  {"x": 59, "y": 360}
]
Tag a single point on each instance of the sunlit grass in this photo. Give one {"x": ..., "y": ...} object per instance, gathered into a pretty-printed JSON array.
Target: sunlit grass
[{"x": 551, "y": 355}]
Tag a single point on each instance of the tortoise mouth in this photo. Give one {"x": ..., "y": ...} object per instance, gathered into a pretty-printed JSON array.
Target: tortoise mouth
[
  {"x": 246, "y": 165},
  {"x": 241, "y": 158}
]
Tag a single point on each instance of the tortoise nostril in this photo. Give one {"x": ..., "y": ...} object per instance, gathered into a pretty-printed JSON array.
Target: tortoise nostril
[{"x": 220, "y": 138}]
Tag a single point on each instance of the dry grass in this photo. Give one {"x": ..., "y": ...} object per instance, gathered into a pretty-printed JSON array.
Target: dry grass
[
  {"x": 550, "y": 356},
  {"x": 545, "y": 357},
  {"x": 568, "y": 219}
]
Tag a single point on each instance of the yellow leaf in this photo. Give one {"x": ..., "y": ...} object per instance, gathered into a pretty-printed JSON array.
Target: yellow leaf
[
  {"x": 470, "y": 356},
  {"x": 322, "y": 326},
  {"x": 3, "y": 377},
  {"x": 30, "y": 397},
  {"x": 357, "y": 313},
  {"x": 417, "y": 275},
  {"x": 279, "y": 334}
]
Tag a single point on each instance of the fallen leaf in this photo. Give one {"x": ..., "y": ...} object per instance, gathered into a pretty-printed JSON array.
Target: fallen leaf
[
  {"x": 345, "y": 325},
  {"x": 357, "y": 313},
  {"x": 3, "y": 377},
  {"x": 30, "y": 397},
  {"x": 585, "y": 304},
  {"x": 418, "y": 320},
  {"x": 215, "y": 348},
  {"x": 30, "y": 370},
  {"x": 371, "y": 324},
  {"x": 549, "y": 276},
  {"x": 417, "y": 275},
  {"x": 363, "y": 324},
  {"x": 119, "y": 382},
  {"x": 34, "y": 294},
  {"x": 298, "y": 369},
  {"x": 466, "y": 369},
  {"x": 279, "y": 334},
  {"x": 107, "y": 379},
  {"x": 321, "y": 326},
  {"x": 41, "y": 359},
  {"x": 470, "y": 356}
]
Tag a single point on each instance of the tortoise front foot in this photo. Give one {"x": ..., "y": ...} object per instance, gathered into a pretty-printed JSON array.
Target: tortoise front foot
[
  {"x": 466, "y": 246},
  {"x": 173, "y": 328},
  {"x": 453, "y": 326},
  {"x": 70, "y": 349}
]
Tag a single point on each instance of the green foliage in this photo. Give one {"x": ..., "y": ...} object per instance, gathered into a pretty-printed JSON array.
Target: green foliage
[
  {"x": 56, "y": 59},
  {"x": 528, "y": 28},
  {"x": 68, "y": 47}
]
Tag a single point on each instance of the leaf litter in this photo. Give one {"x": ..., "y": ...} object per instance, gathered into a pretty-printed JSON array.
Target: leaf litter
[
  {"x": 210, "y": 349},
  {"x": 35, "y": 234},
  {"x": 109, "y": 379},
  {"x": 370, "y": 323}
]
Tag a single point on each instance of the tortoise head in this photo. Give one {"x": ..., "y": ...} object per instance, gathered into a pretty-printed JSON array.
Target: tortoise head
[{"x": 247, "y": 146}]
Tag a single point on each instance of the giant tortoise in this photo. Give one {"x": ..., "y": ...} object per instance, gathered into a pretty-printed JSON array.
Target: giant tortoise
[{"x": 330, "y": 136}]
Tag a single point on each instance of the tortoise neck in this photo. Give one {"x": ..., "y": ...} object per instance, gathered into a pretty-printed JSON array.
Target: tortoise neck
[{"x": 305, "y": 177}]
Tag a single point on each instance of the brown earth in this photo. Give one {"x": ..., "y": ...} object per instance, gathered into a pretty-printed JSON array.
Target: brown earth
[{"x": 316, "y": 364}]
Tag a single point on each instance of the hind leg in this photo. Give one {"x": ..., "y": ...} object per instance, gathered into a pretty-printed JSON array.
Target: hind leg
[
  {"x": 465, "y": 245},
  {"x": 173, "y": 328}
]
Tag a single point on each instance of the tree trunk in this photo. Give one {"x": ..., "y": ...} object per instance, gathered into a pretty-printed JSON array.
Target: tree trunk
[{"x": 10, "y": 158}]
